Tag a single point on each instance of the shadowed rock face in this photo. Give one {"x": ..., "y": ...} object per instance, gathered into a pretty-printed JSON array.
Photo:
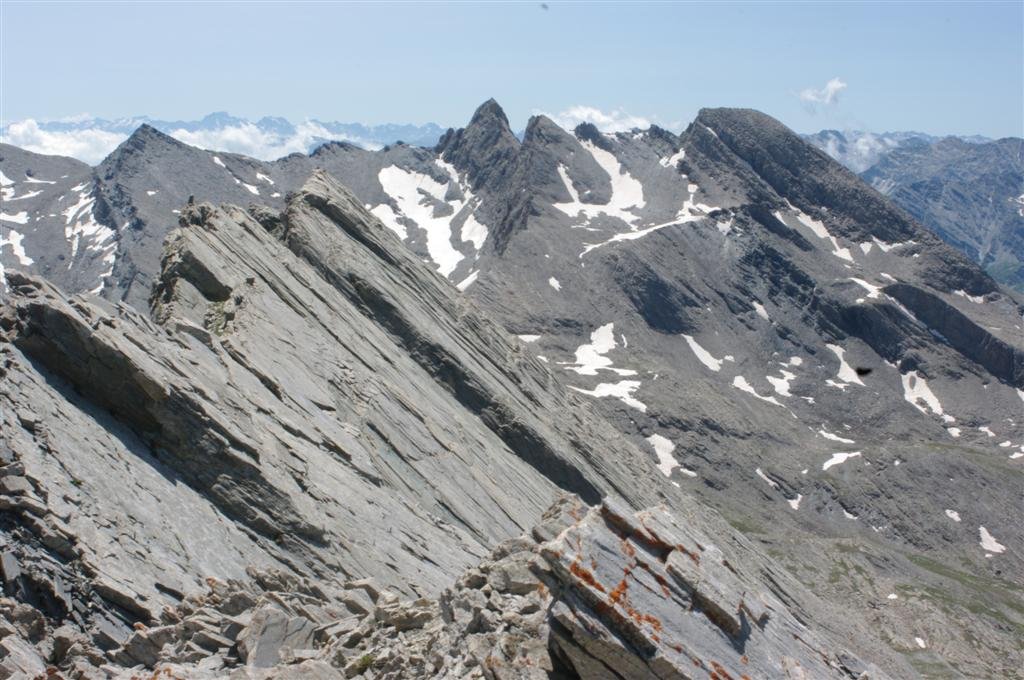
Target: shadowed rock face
[{"x": 775, "y": 337}]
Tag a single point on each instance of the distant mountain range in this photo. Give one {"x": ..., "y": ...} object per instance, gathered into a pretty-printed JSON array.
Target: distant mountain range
[
  {"x": 92, "y": 139},
  {"x": 968, "y": 190},
  {"x": 859, "y": 150}
]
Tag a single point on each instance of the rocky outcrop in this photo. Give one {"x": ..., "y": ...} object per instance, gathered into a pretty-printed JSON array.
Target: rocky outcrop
[
  {"x": 313, "y": 399},
  {"x": 602, "y": 592}
]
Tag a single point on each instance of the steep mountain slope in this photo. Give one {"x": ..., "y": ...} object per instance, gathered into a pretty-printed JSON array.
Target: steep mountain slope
[
  {"x": 971, "y": 195},
  {"x": 795, "y": 350},
  {"x": 308, "y": 397},
  {"x": 778, "y": 338}
]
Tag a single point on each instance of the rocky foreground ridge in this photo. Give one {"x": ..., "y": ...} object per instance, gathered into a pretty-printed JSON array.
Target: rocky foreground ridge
[
  {"x": 597, "y": 593},
  {"x": 307, "y": 405}
]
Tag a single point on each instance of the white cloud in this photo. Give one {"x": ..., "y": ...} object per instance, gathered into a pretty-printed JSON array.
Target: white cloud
[
  {"x": 826, "y": 96},
  {"x": 249, "y": 140},
  {"x": 93, "y": 144},
  {"x": 611, "y": 121},
  {"x": 89, "y": 145}
]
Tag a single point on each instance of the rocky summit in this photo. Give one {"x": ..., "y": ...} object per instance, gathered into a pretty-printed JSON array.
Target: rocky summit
[{"x": 576, "y": 405}]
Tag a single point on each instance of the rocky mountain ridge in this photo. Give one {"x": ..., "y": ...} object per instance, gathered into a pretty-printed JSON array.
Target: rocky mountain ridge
[
  {"x": 778, "y": 339},
  {"x": 144, "y": 453}
]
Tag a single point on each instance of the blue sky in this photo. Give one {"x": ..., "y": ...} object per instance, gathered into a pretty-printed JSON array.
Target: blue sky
[{"x": 940, "y": 68}]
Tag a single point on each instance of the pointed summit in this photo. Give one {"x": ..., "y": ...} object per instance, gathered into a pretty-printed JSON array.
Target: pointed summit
[
  {"x": 144, "y": 137},
  {"x": 541, "y": 130},
  {"x": 488, "y": 113},
  {"x": 484, "y": 149}
]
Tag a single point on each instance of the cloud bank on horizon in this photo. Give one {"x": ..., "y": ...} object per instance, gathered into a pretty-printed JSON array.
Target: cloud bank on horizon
[
  {"x": 615, "y": 120},
  {"x": 91, "y": 140}
]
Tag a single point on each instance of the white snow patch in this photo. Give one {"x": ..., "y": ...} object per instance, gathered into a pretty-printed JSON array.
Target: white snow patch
[
  {"x": 977, "y": 299},
  {"x": 673, "y": 160},
  {"x": 219, "y": 162},
  {"x": 389, "y": 219},
  {"x": 250, "y": 188},
  {"x": 765, "y": 477},
  {"x": 590, "y": 357},
  {"x": 761, "y": 311},
  {"x": 703, "y": 355},
  {"x": 953, "y": 515},
  {"x": 663, "y": 448},
  {"x": 468, "y": 281},
  {"x": 819, "y": 230},
  {"x": 834, "y": 437},
  {"x": 623, "y": 390},
  {"x": 838, "y": 459},
  {"x": 739, "y": 382},
  {"x": 882, "y": 245},
  {"x": 795, "y": 502},
  {"x": 263, "y": 178},
  {"x": 846, "y": 372},
  {"x": 474, "y": 232},
  {"x": 17, "y": 218},
  {"x": 781, "y": 384},
  {"x": 989, "y": 543},
  {"x": 528, "y": 338},
  {"x": 892, "y": 596},
  {"x": 553, "y": 282},
  {"x": 866, "y": 247},
  {"x": 13, "y": 239},
  {"x": 916, "y": 390},
  {"x": 32, "y": 180},
  {"x": 1007, "y": 444},
  {"x": 416, "y": 195},
  {"x": 9, "y": 195},
  {"x": 627, "y": 194},
  {"x": 5, "y": 181},
  {"x": 920, "y": 643},
  {"x": 691, "y": 211},
  {"x": 953, "y": 432},
  {"x": 81, "y": 227},
  {"x": 152, "y": 192},
  {"x": 985, "y": 430},
  {"x": 873, "y": 290}
]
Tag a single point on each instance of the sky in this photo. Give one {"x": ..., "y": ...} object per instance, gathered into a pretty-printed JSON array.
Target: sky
[{"x": 938, "y": 68}]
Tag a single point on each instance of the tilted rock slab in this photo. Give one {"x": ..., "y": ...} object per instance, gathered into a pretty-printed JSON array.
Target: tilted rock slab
[
  {"x": 313, "y": 399},
  {"x": 591, "y": 592}
]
